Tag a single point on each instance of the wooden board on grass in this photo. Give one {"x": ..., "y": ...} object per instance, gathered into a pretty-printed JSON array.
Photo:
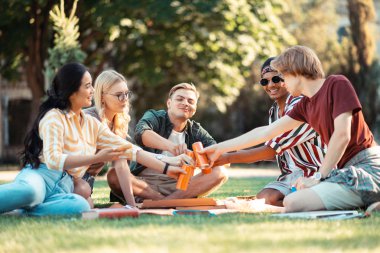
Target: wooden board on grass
[
  {"x": 110, "y": 213},
  {"x": 173, "y": 203}
]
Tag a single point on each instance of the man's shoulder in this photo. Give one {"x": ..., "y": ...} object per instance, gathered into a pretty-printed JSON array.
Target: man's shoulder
[
  {"x": 336, "y": 78},
  {"x": 292, "y": 100},
  {"x": 156, "y": 113},
  {"x": 336, "y": 81},
  {"x": 199, "y": 132},
  {"x": 194, "y": 125}
]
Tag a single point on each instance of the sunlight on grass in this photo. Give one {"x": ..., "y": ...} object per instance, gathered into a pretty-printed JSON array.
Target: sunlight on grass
[{"x": 225, "y": 233}]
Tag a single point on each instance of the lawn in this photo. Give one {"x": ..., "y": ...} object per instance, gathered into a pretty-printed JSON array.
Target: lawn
[{"x": 225, "y": 233}]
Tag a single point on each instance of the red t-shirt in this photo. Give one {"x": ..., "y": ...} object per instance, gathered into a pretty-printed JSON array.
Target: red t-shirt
[{"x": 336, "y": 96}]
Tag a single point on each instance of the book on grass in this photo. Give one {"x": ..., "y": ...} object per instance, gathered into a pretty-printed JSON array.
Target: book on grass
[{"x": 110, "y": 213}]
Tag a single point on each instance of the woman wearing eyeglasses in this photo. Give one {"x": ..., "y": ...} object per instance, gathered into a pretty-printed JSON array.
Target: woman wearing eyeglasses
[
  {"x": 299, "y": 153},
  {"x": 112, "y": 109}
]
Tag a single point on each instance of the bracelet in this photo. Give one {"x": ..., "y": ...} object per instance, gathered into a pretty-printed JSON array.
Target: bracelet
[{"x": 165, "y": 168}]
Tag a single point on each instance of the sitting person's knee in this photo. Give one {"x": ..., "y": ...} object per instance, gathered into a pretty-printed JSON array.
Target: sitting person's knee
[
  {"x": 290, "y": 204},
  {"x": 82, "y": 188},
  {"x": 79, "y": 204},
  {"x": 269, "y": 198},
  {"x": 30, "y": 195},
  {"x": 112, "y": 180},
  {"x": 262, "y": 195},
  {"x": 220, "y": 174}
]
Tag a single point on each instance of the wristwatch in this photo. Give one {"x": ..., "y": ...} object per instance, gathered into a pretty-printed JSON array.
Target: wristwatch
[
  {"x": 159, "y": 157},
  {"x": 318, "y": 176}
]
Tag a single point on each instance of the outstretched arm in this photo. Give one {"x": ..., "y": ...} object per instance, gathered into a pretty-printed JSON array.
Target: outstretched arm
[
  {"x": 148, "y": 160},
  {"x": 104, "y": 155},
  {"x": 252, "y": 138},
  {"x": 262, "y": 153}
]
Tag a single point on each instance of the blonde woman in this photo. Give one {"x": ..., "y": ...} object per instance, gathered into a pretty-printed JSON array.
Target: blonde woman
[{"x": 112, "y": 105}]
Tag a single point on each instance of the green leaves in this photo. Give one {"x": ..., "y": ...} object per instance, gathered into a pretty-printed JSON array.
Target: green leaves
[
  {"x": 66, "y": 45},
  {"x": 211, "y": 43},
  {"x": 155, "y": 43}
]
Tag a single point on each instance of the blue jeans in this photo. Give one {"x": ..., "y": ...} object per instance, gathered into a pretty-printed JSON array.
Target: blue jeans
[{"x": 42, "y": 192}]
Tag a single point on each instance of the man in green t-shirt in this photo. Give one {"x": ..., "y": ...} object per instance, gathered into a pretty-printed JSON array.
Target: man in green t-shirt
[{"x": 171, "y": 133}]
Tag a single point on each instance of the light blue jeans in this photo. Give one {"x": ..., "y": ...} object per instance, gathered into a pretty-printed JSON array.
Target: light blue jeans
[{"x": 41, "y": 192}]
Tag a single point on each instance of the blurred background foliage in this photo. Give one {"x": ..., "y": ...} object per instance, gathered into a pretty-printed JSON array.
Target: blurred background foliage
[{"x": 219, "y": 45}]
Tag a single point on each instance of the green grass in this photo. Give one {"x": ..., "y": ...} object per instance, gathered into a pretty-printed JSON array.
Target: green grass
[{"x": 224, "y": 233}]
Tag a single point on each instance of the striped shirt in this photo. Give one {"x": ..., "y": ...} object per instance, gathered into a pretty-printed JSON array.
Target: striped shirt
[
  {"x": 62, "y": 135},
  {"x": 299, "y": 149}
]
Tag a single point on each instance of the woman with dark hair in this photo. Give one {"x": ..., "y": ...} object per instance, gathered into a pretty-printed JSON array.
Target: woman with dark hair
[{"x": 61, "y": 146}]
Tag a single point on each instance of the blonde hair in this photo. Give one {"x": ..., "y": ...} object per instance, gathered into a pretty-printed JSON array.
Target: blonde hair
[
  {"x": 102, "y": 84},
  {"x": 299, "y": 60},
  {"x": 185, "y": 86}
]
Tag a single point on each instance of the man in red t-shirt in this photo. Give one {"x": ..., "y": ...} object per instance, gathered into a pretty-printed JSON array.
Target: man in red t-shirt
[
  {"x": 299, "y": 153},
  {"x": 331, "y": 106}
]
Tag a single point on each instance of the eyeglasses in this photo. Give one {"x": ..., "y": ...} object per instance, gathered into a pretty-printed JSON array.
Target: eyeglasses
[
  {"x": 122, "y": 96},
  {"x": 275, "y": 79}
]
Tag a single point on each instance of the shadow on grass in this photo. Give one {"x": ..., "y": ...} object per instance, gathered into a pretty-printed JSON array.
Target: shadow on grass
[{"x": 233, "y": 187}]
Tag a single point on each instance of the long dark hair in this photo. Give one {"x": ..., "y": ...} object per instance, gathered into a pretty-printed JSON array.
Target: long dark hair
[{"x": 65, "y": 83}]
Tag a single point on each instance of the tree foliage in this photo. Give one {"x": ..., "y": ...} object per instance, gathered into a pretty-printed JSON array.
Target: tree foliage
[
  {"x": 24, "y": 36},
  {"x": 154, "y": 43},
  {"x": 157, "y": 44},
  {"x": 314, "y": 24},
  {"x": 66, "y": 45}
]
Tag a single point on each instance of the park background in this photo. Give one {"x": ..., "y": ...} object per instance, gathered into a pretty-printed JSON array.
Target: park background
[{"x": 219, "y": 45}]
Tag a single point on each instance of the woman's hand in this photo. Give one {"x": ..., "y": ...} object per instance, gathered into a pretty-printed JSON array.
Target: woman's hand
[
  {"x": 178, "y": 160},
  {"x": 306, "y": 182},
  {"x": 108, "y": 154},
  {"x": 174, "y": 171}
]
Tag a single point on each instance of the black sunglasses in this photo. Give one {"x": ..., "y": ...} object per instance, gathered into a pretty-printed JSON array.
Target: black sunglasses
[{"x": 275, "y": 79}]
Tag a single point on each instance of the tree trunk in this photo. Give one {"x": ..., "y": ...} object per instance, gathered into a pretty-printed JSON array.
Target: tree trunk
[
  {"x": 361, "y": 12},
  {"x": 36, "y": 54}
]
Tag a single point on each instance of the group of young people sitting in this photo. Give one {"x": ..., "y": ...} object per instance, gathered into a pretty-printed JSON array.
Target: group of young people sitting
[{"x": 316, "y": 132}]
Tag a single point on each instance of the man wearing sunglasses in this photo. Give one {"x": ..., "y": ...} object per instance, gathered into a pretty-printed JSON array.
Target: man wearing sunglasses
[{"x": 299, "y": 152}]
